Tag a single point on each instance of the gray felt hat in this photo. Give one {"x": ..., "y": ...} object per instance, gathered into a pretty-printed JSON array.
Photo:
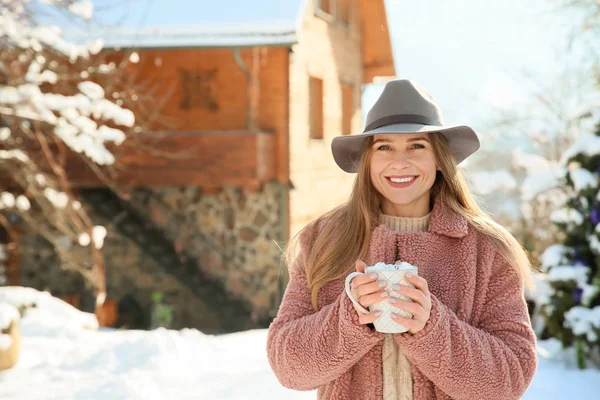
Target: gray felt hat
[{"x": 403, "y": 107}]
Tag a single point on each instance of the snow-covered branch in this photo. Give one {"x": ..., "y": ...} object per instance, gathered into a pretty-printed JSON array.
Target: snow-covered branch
[{"x": 58, "y": 100}]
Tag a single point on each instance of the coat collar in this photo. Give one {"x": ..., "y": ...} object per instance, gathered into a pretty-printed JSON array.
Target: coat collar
[
  {"x": 446, "y": 222},
  {"x": 383, "y": 244}
]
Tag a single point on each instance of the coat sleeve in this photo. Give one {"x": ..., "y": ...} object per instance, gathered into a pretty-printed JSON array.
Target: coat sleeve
[
  {"x": 307, "y": 348},
  {"x": 494, "y": 360}
]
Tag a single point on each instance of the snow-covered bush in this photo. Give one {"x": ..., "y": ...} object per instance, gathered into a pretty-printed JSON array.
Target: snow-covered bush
[
  {"x": 59, "y": 100},
  {"x": 571, "y": 307}
]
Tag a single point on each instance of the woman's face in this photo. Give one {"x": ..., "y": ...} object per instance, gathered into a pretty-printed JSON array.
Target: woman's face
[{"x": 403, "y": 170}]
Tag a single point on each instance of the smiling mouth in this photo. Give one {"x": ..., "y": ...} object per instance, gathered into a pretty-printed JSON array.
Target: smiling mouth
[{"x": 401, "y": 182}]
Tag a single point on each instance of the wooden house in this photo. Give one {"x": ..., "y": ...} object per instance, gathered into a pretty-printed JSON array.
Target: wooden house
[{"x": 253, "y": 103}]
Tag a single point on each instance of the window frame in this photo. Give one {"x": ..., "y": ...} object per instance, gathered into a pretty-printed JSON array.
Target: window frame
[
  {"x": 347, "y": 118},
  {"x": 321, "y": 13},
  {"x": 314, "y": 133}
]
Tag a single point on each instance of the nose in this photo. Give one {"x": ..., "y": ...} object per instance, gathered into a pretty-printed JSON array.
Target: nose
[{"x": 401, "y": 160}]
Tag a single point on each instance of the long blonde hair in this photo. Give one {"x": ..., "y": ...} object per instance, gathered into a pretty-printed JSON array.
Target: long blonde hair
[{"x": 353, "y": 221}]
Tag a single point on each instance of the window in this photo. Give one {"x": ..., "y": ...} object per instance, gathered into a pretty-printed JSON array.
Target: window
[
  {"x": 325, "y": 6},
  {"x": 343, "y": 11},
  {"x": 347, "y": 108},
  {"x": 316, "y": 107},
  {"x": 334, "y": 10}
]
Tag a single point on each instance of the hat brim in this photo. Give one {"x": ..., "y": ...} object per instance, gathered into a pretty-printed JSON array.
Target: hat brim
[{"x": 347, "y": 149}]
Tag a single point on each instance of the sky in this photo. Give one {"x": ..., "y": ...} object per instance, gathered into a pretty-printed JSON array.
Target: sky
[
  {"x": 475, "y": 55},
  {"x": 185, "y": 12}
]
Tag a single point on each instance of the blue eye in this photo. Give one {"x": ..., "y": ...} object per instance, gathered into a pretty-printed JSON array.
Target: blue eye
[
  {"x": 418, "y": 146},
  {"x": 387, "y": 147}
]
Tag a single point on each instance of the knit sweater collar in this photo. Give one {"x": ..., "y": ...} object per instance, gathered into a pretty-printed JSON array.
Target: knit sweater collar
[
  {"x": 405, "y": 224},
  {"x": 444, "y": 221}
]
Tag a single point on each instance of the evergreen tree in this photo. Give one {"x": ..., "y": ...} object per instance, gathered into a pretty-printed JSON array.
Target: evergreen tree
[{"x": 572, "y": 308}]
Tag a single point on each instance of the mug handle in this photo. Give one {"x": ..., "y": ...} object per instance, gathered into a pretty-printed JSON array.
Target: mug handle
[{"x": 349, "y": 292}]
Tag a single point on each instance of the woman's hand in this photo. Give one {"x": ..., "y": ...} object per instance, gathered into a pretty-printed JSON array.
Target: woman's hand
[
  {"x": 420, "y": 308},
  {"x": 367, "y": 291}
]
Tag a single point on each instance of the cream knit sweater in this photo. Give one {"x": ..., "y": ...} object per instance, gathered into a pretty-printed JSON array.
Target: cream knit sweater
[{"x": 397, "y": 377}]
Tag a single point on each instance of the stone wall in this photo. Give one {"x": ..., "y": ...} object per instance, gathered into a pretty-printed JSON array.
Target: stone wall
[
  {"x": 230, "y": 237},
  {"x": 234, "y": 236},
  {"x": 3, "y": 267},
  {"x": 40, "y": 268},
  {"x": 130, "y": 274}
]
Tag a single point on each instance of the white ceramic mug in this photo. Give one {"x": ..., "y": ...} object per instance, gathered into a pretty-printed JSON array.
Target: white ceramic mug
[{"x": 392, "y": 274}]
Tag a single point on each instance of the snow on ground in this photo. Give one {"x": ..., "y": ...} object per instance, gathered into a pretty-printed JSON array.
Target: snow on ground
[
  {"x": 8, "y": 315},
  {"x": 559, "y": 379},
  {"x": 58, "y": 313},
  {"x": 64, "y": 356}
]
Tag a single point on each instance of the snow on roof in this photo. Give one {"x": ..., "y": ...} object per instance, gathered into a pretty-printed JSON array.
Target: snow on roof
[
  {"x": 202, "y": 23},
  {"x": 201, "y": 36}
]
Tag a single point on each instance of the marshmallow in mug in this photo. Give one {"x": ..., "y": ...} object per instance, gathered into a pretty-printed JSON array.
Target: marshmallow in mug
[{"x": 381, "y": 266}]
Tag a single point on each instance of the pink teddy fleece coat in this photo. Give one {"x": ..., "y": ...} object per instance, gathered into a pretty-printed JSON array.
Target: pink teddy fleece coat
[{"x": 477, "y": 344}]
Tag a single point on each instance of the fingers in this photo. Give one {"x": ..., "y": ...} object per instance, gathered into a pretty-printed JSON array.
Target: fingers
[
  {"x": 369, "y": 300},
  {"x": 363, "y": 279},
  {"x": 360, "y": 265},
  {"x": 419, "y": 307},
  {"x": 370, "y": 293},
  {"x": 370, "y": 288},
  {"x": 414, "y": 294},
  {"x": 413, "y": 325},
  {"x": 413, "y": 308},
  {"x": 369, "y": 318},
  {"x": 367, "y": 290},
  {"x": 418, "y": 282},
  {"x": 419, "y": 319},
  {"x": 418, "y": 312}
]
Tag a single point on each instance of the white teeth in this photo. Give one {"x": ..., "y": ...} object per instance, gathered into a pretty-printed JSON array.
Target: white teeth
[{"x": 401, "y": 180}]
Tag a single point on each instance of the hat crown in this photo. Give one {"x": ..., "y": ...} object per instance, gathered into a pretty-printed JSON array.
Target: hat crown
[{"x": 405, "y": 97}]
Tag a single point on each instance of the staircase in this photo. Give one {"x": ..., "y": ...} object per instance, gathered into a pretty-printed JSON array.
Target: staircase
[{"x": 233, "y": 314}]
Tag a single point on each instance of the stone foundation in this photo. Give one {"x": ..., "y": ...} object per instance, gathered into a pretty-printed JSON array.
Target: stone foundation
[
  {"x": 234, "y": 236},
  {"x": 40, "y": 269},
  {"x": 231, "y": 238}
]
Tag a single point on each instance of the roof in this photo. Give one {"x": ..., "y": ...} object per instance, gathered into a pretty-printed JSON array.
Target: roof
[
  {"x": 201, "y": 36},
  {"x": 202, "y": 23},
  {"x": 155, "y": 24}
]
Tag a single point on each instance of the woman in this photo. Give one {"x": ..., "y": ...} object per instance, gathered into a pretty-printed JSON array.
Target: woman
[{"x": 470, "y": 336}]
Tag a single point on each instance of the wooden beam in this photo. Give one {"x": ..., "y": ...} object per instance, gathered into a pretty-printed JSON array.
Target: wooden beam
[
  {"x": 378, "y": 57},
  {"x": 208, "y": 159}
]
